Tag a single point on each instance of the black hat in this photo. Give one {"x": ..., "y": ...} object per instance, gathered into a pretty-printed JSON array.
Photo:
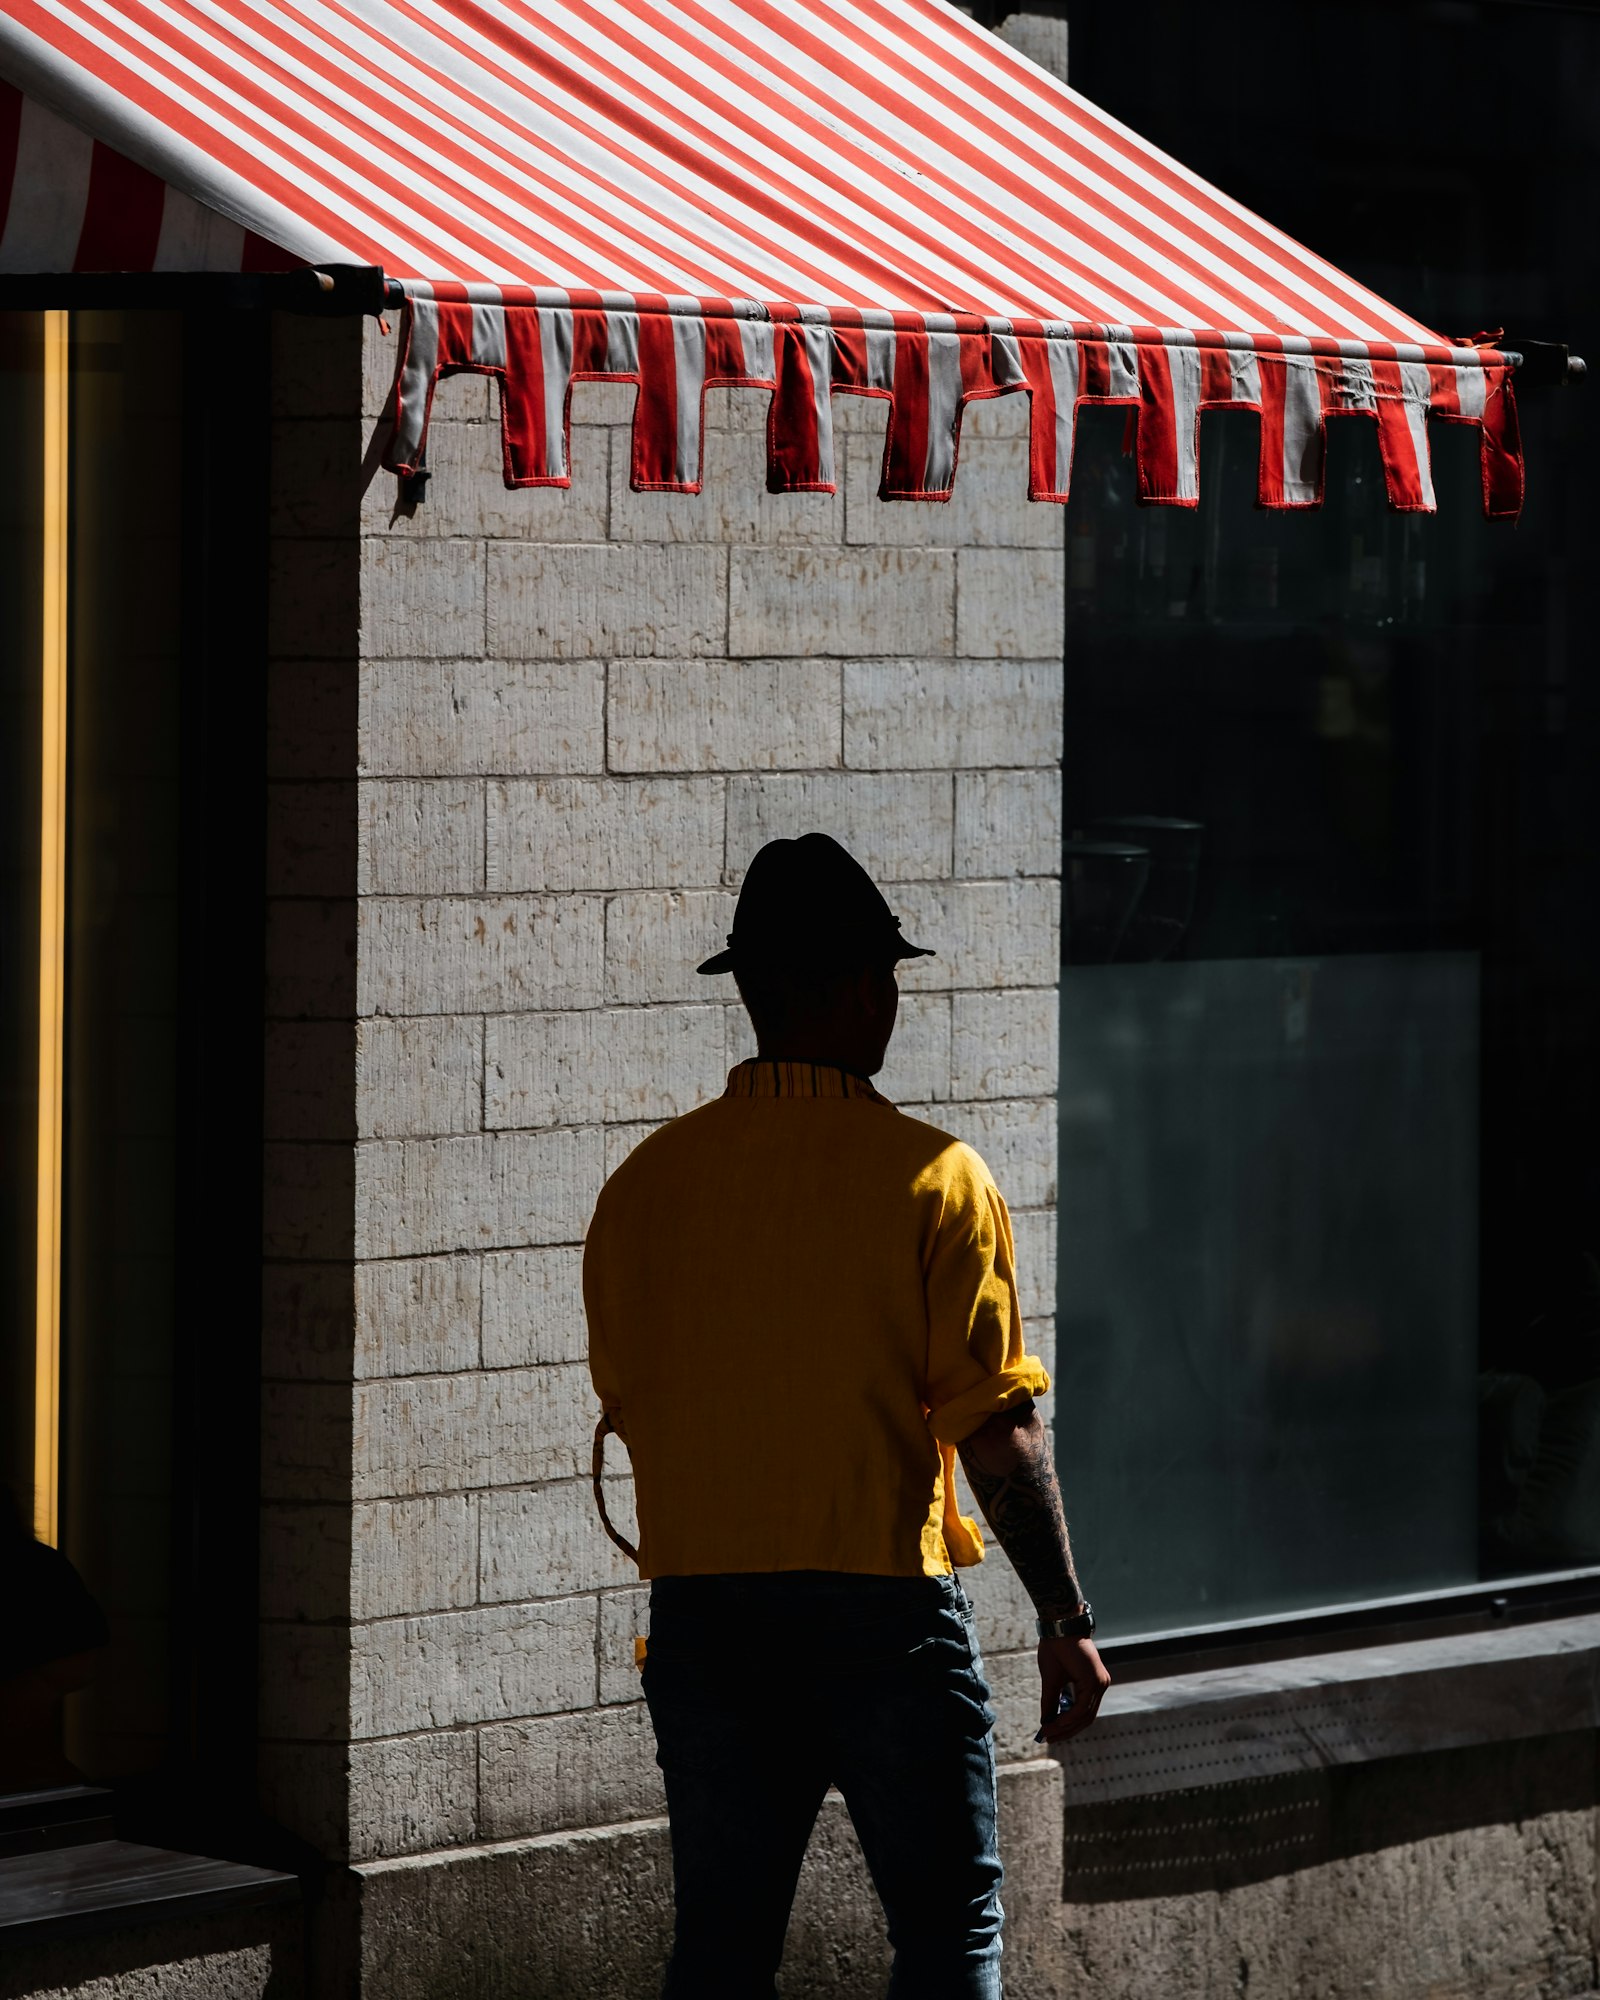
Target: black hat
[{"x": 808, "y": 900}]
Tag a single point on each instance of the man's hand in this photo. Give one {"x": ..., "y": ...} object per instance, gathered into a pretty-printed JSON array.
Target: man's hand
[
  {"x": 1009, "y": 1467},
  {"x": 1069, "y": 1663}
]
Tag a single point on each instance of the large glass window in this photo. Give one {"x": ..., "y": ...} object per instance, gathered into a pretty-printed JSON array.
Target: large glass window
[
  {"x": 131, "y": 648},
  {"x": 1329, "y": 1287},
  {"x": 90, "y": 907}
]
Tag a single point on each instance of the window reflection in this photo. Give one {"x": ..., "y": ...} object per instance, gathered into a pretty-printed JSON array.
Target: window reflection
[{"x": 1329, "y": 1305}]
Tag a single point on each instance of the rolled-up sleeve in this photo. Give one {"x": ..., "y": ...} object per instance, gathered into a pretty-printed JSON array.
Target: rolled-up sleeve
[{"x": 978, "y": 1363}]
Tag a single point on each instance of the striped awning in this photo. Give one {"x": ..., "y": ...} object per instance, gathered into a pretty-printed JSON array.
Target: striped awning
[{"x": 869, "y": 197}]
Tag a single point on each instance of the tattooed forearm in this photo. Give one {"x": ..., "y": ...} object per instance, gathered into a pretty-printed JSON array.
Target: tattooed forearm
[{"x": 1013, "y": 1478}]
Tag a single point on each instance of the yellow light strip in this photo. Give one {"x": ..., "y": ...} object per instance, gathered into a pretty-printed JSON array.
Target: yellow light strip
[{"x": 52, "y": 935}]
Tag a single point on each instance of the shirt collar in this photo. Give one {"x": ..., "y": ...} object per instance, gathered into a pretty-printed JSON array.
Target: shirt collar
[{"x": 759, "y": 1078}]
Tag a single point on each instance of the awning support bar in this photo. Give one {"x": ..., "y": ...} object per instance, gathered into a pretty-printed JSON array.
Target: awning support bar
[
  {"x": 1544, "y": 364},
  {"x": 330, "y": 290}
]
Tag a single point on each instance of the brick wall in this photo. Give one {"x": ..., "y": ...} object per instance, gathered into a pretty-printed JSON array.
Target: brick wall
[
  {"x": 580, "y": 714},
  {"x": 524, "y": 744}
]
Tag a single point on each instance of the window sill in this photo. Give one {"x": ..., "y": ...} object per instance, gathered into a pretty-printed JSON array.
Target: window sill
[
  {"x": 1271, "y": 1719},
  {"x": 72, "y": 1876}
]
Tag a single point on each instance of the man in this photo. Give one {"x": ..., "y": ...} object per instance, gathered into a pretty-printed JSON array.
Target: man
[{"x": 801, "y": 1308}]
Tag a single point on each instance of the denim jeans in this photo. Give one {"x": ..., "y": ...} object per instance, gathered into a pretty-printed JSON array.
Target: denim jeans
[{"x": 766, "y": 1689}]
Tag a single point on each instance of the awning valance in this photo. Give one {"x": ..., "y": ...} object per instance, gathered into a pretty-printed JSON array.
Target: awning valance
[{"x": 872, "y": 197}]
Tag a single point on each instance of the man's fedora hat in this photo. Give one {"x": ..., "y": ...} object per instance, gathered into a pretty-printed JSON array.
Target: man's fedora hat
[{"x": 810, "y": 902}]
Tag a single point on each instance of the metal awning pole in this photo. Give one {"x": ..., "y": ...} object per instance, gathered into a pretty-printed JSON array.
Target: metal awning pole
[
  {"x": 329, "y": 289},
  {"x": 1544, "y": 364}
]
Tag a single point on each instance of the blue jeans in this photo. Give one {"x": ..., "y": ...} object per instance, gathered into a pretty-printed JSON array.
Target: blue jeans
[{"x": 766, "y": 1689}]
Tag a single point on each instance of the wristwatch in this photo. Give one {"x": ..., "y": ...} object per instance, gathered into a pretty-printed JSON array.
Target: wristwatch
[{"x": 1079, "y": 1626}]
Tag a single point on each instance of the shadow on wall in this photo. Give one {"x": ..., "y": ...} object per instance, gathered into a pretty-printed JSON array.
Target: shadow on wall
[
  {"x": 54, "y": 1638},
  {"x": 1539, "y": 1434},
  {"x": 254, "y": 1953},
  {"x": 1221, "y": 1837}
]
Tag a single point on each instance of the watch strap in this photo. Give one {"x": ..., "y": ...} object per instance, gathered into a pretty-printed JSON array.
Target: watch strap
[{"x": 1079, "y": 1626}]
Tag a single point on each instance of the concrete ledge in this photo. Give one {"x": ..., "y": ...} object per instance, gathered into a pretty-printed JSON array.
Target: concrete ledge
[
  {"x": 1463, "y": 1875},
  {"x": 1351, "y": 1707},
  {"x": 588, "y": 1915},
  {"x": 236, "y": 1955},
  {"x": 1451, "y": 1875}
]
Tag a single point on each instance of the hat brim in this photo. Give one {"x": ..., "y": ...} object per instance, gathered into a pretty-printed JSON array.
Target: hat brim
[{"x": 727, "y": 961}]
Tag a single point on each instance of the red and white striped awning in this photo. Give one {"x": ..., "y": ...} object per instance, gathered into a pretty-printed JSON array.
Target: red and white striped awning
[{"x": 872, "y": 197}]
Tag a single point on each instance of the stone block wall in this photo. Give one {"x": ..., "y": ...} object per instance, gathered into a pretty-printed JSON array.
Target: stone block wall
[
  {"x": 524, "y": 745},
  {"x": 580, "y": 713}
]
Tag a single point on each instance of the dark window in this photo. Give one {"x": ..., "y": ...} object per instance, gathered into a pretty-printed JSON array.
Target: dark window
[
  {"x": 131, "y": 1404},
  {"x": 1329, "y": 1290}
]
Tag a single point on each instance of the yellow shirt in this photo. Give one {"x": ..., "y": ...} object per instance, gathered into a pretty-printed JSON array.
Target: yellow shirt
[{"x": 800, "y": 1301}]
